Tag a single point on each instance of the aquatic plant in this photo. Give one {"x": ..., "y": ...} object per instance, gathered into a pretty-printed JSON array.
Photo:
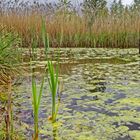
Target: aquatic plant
[
  {"x": 53, "y": 77},
  {"x": 53, "y": 84},
  {"x": 36, "y": 96},
  {"x": 36, "y": 104}
]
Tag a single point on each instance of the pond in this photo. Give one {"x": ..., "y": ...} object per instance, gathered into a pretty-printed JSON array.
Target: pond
[{"x": 100, "y": 97}]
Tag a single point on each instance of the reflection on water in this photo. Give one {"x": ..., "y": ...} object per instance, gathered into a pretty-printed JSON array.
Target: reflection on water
[{"x": 100, "y": 99}]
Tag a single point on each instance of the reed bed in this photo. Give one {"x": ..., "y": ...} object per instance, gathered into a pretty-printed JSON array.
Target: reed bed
[{"x": 72, "y": 30}]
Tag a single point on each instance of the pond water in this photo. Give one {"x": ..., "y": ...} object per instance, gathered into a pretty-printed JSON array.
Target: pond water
[{"x": 100, "y": 97}]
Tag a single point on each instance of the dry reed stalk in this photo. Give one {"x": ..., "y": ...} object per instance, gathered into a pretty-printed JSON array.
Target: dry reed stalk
[{"x": 72, "y": 30}]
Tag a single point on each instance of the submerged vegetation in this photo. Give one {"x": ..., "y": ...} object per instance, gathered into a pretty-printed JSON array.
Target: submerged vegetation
[{"x": 100, "y": 99}]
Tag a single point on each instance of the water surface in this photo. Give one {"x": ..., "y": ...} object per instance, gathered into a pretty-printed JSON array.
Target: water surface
[{"x": 100, "y": 99}]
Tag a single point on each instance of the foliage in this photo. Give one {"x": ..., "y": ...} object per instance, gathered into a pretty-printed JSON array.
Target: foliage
[
  {"x": 36, "y": 97},
  {"x": 117, "y": 7},
  {"x": 36, "y": 104},
  {"x": 53, "y": 84},
  {"x": 9, "y": 53},
  {"x": 8, "y": 48},
  {"x": 64, "y": 4},
  {"x": 92, "y": 8},
  {"x": 136, "y": 6},
  {"x": 53, "y": 80}
]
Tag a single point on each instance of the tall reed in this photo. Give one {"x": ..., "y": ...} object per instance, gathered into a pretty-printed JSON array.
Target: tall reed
[
  {"x": 53, "y": 76},
  {"x": 36, "y": 95},
  {"x": 72, "y": 30}
]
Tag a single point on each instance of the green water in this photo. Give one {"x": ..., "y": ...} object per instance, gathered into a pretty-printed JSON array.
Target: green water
[{"x": 100, "y": 99}]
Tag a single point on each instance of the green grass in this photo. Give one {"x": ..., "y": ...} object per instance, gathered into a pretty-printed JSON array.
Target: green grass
[{"x": 9, "y": 54}]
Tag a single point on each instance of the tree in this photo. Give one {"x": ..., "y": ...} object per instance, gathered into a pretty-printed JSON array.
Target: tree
[
  {"x": 137, "y": 2},
  {"x": 64, "y": 5},
  {"x": 137, "y": 5},
  {"x": 92, "y": 8},
  {"x": 117, "y": 8},
  {"x": 120, "y": 7},
  {"x": 114, "y": 7}
]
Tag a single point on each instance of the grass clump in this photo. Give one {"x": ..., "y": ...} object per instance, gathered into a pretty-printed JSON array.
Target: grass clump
[
  {"x": 53, "y": 84},
  {"x": 52, "y": 74},
  {"x": 36, "y": 104},
  {"x": 36, "y": 93}
]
